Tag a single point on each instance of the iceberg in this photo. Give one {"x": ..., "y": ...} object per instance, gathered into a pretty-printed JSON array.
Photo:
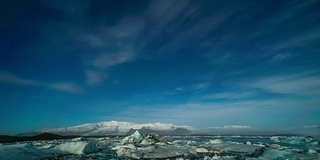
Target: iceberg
[
  {"x": 80, "y": 147},
  {"x": 275, "y": 139},
  {"x": 238, "y": 148},
  {"x": 138, "y": 137},
  {"x": 275, "y": 154},
  {"x": 216, "y": 141},
  {"x": 150, "y": 148},
  {"x": 295, "y": 140},
  {"x": 21, "y": 152}
]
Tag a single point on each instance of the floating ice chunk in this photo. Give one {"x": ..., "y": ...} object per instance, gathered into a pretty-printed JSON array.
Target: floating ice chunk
[
  {"x": 80, "y": 147},
  {"x": 311, "y": 151},
  {"x": 21, "y": 152},
  {"x": 275, "y": 139},
  {"x": 192, "y": 143},
  {"x": 129, "y": 152},
  {"x": 150, "y": 139},
  {"x": 206, "y": 158},
  {"x": 202, "y": 150},
  {"x": 47, "y": 146},
  {"x": 295, "y": 140},
  {"x": 79, "y": 139},
  {"x": 161, "y": 143},
  {"x": 274, "y": 153},
  {"x": 127, "y": 139},
  {"x": 216, "y": 141},
  {"x": 216, "y": 157},
  {"x": 276, "y": 146},
  {"x": 168, "y": 151},
  {"x": 147, "y": 149},
  {"x": 315, "y": 143},
  {"x": 241, "y": 149},
  {"x": 138, "y": 137}
]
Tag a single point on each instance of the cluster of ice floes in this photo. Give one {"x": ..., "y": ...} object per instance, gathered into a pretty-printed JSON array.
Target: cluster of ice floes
[
  {"x": 153, "y": 146},
  {"x": 138, "y": 146},
  {"x": 47, "y": 149}
]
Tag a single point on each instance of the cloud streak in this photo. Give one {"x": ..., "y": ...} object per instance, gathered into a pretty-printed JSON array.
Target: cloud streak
[
  {"x": 66, "y": 87},
  {"x": 220, "y": 113},
  {"x": 7, "y": 77},
  {"x": 11, "y": 78},
  {"x": 298, "y": 84},
  {"x": 109, "y": 60},
  {"x": 94, "y": 77},
  {"x": 231, "y": 95}
]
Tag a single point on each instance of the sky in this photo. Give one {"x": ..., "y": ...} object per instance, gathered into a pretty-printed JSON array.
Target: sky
[{"x": 199, "y": 63}]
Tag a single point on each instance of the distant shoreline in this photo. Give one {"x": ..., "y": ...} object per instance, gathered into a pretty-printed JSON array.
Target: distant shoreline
[{"x": 50, "y": 136}]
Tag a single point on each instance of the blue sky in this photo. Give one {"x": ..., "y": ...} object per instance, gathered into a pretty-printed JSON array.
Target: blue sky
[{"x": 197, "y": 63}]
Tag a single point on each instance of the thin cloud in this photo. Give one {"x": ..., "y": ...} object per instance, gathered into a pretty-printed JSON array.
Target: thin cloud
[
  {"x": 14, "y": 79},
  {"x": 94, "y": 77},
  {"x": 108, "y": 60},
  {"x": 231, "y": 95},
  {"x": 297, "y": 41},
  {"x": 223, "y": 113},
  {"x": 281, "y": 56},
  {"x": 11, "y": 78},
  {"x": 290, "y": 84},
  {"x": 113, "y": 46},
  {"x": 201, "y": 86},
  {"x": 67, "y": 87}
]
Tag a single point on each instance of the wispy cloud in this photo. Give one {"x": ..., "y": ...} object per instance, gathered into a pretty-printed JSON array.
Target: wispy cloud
[
  {"x": 297, "y": 41},
  {"x": 192, "y": 88},
  {"x": 64, "y": 86},
  {"x": 112, "y": 45},
  {"x": 240, "y": 111},
  {"x": 11, "y": 78},
  {"x": 282, "y": 56},
  {"x": 95, "y": 77},
  {"x": 108, "y": 60},
  {"x": 231, "y": 95},
  {"x": 298, "y": 84}
]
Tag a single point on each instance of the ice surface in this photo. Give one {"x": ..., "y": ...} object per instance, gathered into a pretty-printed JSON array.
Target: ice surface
[
  {"x": 311, "y": 151},
  {"x": 172, "y": 148},
  {"x": 138, "y": 137},
  {"x": 241, "y": 149},
  {"x": 274, "y": 154},
  {"x": 275, "y": 139},
  {"x": 21, "y": 152},
  {"x": 80, "y": 147},
  {"x": 295, "y": 140},
  {"x": 216, "y": 141}
]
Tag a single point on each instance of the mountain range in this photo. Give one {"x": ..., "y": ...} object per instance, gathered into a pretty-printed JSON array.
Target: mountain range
[
  {"x": 126, "y": 128},
  {"x": 114, "y": 128}
]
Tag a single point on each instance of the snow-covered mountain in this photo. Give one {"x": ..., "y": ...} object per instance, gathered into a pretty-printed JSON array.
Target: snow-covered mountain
[{"x": 110, "y": 128}]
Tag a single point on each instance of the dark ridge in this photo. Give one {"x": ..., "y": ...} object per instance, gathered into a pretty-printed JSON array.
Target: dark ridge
[{"x": 42, "y": 136}]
